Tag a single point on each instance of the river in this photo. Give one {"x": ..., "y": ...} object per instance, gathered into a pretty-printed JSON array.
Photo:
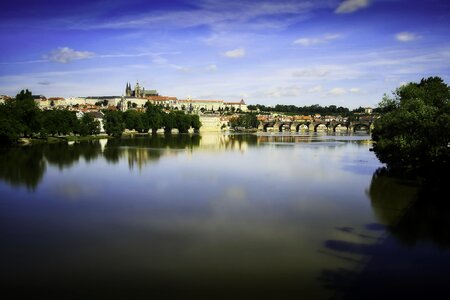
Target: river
[{"x": 215, "y": 216}]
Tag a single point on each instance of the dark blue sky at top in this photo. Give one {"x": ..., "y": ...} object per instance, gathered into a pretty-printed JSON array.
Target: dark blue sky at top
[{"x": 191, "y": 42}]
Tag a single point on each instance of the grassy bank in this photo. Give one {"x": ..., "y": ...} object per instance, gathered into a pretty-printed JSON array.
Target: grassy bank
[{"x": 61, "y": 139}]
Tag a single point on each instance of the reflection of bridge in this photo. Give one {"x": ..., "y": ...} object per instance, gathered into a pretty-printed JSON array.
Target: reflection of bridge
[{"x": 296, "y": 126}]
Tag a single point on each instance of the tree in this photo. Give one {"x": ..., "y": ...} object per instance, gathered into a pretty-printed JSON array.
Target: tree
[
  {"x": 26, "y": 112},
  {"x": 114, "y": 124},
  {"x": 248, "y": 120},
  {"x": 169, "y": 121},
  {"x": 195, "y": 122},
  {"x": 89, "y": 125},
  {"x": 154, "y": 117},
  {"x": 182, "y": 121},
  {"x": 413, "y": 135},
  {"x": 10, "y": 128}
]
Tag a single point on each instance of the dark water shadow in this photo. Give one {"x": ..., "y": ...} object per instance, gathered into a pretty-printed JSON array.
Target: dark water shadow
[{"x": 411, "y": 260}]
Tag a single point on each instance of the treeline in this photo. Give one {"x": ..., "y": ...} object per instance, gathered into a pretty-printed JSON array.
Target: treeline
[
  {"x": 153, "y": 118},
  {"x": 306, "y": 110},
  {"x": 20, "y": 117},
  {"x": 248, "y": 120},
  {"x": 413, "y": 133}
]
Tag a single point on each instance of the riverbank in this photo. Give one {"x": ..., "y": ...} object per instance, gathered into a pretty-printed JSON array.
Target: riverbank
[{"x": 60, "y": 139}]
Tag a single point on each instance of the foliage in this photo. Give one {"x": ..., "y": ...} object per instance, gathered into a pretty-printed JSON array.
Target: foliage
[
  {"x": 19, "y": 117},
  {"x": 154, "y": 116},
  {"x": 10, "y": 128},
  {"x": 413, "y": 135},
  {"x": 114, "y": 124},
  {"x": 195, "y": 122},
  {"x": 26, "y": 112},
  {"x": 246, "y": 120},
  {"x": 169, "y": 121},
  {"x": 60, "y": 122},
  {"x": 89, "y": 126}
]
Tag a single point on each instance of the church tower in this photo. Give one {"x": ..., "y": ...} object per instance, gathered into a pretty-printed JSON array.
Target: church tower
[
  {"x": 128, "y": 90},
  {"x": 137, "y": 90}
]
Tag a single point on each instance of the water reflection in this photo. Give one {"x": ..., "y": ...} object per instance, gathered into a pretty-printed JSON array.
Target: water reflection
[
  {"x": 413, "y": 215},
  {"x": 212, "y": 216},
  {"x": 22, "y": 166},
  {"x": 25, "y": 166},
  {"x": 410, "y": 217}
]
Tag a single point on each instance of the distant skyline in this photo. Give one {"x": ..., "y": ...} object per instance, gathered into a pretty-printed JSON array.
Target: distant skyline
[{"x": 347, "y": 53}]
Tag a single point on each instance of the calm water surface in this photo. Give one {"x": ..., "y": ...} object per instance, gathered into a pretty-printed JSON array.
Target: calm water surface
[{"x": 216, "y": 216}]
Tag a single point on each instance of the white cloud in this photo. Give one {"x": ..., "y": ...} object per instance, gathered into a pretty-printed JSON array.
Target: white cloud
[
  {"x": 406, "y": 36},
  {"x": 65, "y": 55},
  {"x": 179, "y": 68},
  {"x": 315, "y": 89},
  {"x": 316, "y": 40},
  {"x": 236, "y": 53},
  {"x": 287, "y": 91},
  {"x": 337, "y": 91},
  {"x": 349, "y": 6},
  {"x": 222, "y": 16},
  {"x": 211, "y": 68},
  {"x": 354, "y": 90}
]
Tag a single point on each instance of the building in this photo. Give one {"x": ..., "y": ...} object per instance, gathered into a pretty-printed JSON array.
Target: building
[{"x": 139, "y": 92}]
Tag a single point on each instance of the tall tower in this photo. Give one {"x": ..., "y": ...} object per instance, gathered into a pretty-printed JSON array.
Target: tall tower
[
  {"x": 128, "y": 90},
  {"x": 137, "y": 90}
]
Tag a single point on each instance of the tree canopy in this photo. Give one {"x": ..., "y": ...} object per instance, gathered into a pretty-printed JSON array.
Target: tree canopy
[{"x": 413, "y": 133}]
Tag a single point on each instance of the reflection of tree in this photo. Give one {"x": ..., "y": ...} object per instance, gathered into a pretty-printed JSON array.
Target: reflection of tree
[
  {"x": 26, "y": 165},
  {"x": 140, "y": 150},
  {"x": 22, "y": 166},
  {"x": 411, "y": 214},
  {"x": 64, "y": 155}
]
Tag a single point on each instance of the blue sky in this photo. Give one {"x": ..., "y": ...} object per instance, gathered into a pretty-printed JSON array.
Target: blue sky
[{"x": 347, "y": 53}]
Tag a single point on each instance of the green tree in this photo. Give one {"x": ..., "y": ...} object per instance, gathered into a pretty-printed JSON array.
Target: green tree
[
  {"x": 169, "y": 121},
  {"x": 413, "y": 135},
  {"x": 182, "y": 121},
  {"x": 89, "y": 126},
  {"x": 195, "y": 122},
  {"x": 248, "y": 120},
  {"x": 26, "y": 112},
  {"x": 154, "y": 116},
  {"x": 114, "y": 124},
  {"x": 10, "y": 127}
]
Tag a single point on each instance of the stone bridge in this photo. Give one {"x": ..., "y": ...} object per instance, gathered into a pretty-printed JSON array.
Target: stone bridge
[{"x": 332, "y": 126}]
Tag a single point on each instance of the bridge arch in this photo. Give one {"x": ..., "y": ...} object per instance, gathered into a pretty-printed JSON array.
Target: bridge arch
[
  {"x": 304, "y": 126},
  {"x": 316, "y": 126},
  {"x": 282, "y": 125},
  {"x": 340, "y": 124},
  {"x": 361, "y": 127},
  {"x": 265, "y": 126}
]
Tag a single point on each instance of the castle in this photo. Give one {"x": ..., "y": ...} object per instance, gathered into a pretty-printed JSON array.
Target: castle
[{"x": 139, "y": 92}]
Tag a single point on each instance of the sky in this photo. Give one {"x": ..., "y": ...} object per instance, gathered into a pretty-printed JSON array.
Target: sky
[{"x": 327, "y": 52}]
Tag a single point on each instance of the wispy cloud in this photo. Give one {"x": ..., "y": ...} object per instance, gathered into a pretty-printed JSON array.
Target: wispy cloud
[
  {"x": 221, "y": 15},
  {"x": 286, "y": 91},
  {"x": 316, "y": 40},
  {"x": 65, "y": 55},
  {"x": 350, "y": 6},
  {"x": 236, "y": 53},
  {"x": 337, "y": 91},
  {"x": 315, "y": 89},
  {"x": 406, "y": 36},
  {"x": 211, "y": 68}
]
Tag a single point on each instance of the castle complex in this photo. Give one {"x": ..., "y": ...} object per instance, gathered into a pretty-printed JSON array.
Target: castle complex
[
  {"x": 139, "y": 92},
  {"x": 138, "y": 97}
]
